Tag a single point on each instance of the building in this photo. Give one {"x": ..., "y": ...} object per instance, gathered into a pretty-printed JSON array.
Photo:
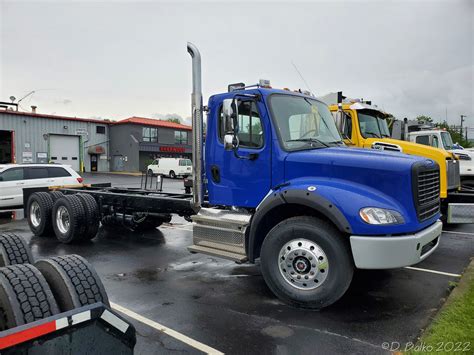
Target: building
[
  {"x": 136, "y": 141},
  {"x": 29, "y": 137}
]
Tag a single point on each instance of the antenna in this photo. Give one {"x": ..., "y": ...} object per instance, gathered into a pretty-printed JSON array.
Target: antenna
[{"x": 301, "y": 76}]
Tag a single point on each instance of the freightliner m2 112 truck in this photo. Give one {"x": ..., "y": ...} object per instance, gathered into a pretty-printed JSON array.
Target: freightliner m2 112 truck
[{"x": 276, "y": 184}]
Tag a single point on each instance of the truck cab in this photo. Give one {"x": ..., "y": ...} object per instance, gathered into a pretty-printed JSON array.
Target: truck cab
[
  {"x": 366, "y": 126},
  {"x": 442, "y": 139}
]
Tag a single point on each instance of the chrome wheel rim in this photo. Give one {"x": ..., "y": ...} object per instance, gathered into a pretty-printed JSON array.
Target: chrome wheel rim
[
  {"x": 303, "y": 264},
  {"x": 62, "y": 219},
  {"x": 35, "y": 214}
]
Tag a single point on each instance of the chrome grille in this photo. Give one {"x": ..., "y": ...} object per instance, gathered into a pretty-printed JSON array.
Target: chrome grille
[
  {"x": 426, "y": 189},
  {"x": 454, "y": 179}
]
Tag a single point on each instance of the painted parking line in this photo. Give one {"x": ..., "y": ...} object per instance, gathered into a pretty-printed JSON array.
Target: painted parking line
[
  {"x": 433, "y": 271},
  {"x": 168, "y": 331},
  {"x": 454, "y": 232}
]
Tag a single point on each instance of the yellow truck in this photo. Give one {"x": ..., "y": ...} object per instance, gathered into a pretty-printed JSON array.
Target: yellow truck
[{"x": 365, "y": 125}]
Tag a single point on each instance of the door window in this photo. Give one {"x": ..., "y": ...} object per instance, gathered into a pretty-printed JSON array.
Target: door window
[
  {"x": 435, "y": 142},
  {"x": 347, "y": 130},
  {"x": 423, "y": 140},
  {"x": 37, "y": 173},
  {"x": 250, "y": 125},
  {"x": 14, "y": 174}
]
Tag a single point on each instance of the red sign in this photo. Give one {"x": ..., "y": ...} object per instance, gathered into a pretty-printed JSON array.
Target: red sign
[{"x": 172, "y": 149}]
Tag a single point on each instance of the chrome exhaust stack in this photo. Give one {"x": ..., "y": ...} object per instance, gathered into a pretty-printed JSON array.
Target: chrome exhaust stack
[{"x": 196, "y": 111}]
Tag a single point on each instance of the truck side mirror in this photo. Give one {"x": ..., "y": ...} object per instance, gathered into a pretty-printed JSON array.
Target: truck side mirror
[{"x": 231, "y": 127}]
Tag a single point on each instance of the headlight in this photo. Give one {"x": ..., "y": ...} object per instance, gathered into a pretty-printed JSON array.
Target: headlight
[
  {"x": 374, "y": 215},
  {"x": 463, "y": 156}
]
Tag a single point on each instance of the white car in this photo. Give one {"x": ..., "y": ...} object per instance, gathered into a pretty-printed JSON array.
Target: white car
[
  {"x": 171, "y": 167},
  {"x": 15, "y": 177}
]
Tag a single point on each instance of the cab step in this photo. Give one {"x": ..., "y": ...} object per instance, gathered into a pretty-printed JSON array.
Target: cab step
[
  {"x": 220, "y": 233},
  {"x": 238, "y": 258}
]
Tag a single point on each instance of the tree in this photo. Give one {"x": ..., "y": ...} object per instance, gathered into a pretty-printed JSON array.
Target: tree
[
  {"x": 455, "y": 135},
  {"x": 175, "y": 120},
  {"x": 425, "y": 119}
]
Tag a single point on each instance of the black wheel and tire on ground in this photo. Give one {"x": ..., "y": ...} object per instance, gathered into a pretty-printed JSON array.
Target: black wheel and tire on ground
[
  {"x": 172, "y": 174},
  {"x": 306, "y": 262},
  {"x": 56, "y": 195},
  {"x": 14, "y": 250},
  {"x": 39, "y": 208},
  {"x": 69, "y": 222},
  {"x": 24, "y": 296},
  {"x": 92, "y": 216},
  {"x": 73, "y": 281},
  {"x": 150, "y": 172}
]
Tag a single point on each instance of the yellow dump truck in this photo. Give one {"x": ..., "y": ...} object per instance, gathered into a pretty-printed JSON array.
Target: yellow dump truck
[{"x": 365, "y": 125}]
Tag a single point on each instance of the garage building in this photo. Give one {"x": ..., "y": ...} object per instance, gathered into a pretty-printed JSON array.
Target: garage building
[
  {"x": 29, "y": 137},
  {"x": 136, "y": 141}
]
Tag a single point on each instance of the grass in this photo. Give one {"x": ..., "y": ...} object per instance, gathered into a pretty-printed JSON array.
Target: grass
[{"x": 452, "y": 331}]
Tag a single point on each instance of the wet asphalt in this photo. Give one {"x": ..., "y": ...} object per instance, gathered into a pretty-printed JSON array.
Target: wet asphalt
[{"x": 228, "y": 306}]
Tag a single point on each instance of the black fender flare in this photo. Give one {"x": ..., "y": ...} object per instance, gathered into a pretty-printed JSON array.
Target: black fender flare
[{"x": 293, "y": 196}]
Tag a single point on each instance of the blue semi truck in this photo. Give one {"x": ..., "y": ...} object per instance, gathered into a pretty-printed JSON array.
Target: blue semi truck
[{"x": 277, "y": 185}]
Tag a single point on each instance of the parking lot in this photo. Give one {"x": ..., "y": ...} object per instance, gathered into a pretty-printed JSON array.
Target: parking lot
[{"x": 192, "y": 303}]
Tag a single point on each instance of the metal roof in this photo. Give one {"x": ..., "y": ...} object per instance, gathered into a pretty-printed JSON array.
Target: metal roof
[
  {"x": 42, "y": 115},
  {"x": 154, "y": 122}
]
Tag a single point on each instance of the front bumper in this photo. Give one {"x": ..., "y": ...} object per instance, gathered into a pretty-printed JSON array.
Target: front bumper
[{"x": 385, "y": 252}]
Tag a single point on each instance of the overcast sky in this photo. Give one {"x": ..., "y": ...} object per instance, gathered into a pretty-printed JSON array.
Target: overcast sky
[{"x": 121, "y": 59}]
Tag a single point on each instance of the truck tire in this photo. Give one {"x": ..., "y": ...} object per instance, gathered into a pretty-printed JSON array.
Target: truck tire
[
  {"x": 14, "y": 250},
  {"x": 24, "y": 296},
  {"x": 73, "y": 281},
  {"x": 306, "y": 262},
  {"x": 39, "y": 207},
  {"x": 150, "y": 172},
  {"x": 92, "y": 215},
  {"x": 172, "y": 174},
  {"x": 69, "y": 222},
  {"x": 56, "y": 195}
]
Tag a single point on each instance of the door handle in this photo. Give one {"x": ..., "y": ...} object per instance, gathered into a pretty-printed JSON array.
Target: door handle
[{"x": 20, "y": 183}]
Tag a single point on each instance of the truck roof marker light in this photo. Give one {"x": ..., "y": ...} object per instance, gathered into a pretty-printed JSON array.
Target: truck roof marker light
[{"x": 264, "y": 83}]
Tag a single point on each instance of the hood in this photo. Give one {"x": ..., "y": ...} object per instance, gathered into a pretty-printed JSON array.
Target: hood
[
  {"x": 390, "y": 173},
  {"x": 413, "y": 148}
]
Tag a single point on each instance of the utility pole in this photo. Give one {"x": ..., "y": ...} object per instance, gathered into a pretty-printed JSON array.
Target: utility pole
[{"x": 462, "y": 120}]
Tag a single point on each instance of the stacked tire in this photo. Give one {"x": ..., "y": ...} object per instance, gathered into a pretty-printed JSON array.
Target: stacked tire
[
  {"x": 30, "y": 290},
  {"x": 72, "y": 218}
]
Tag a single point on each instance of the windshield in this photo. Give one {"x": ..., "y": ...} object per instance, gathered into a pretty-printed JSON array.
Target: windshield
[
  {"x": 303, "y": 123},
  {"x": 447, "y": 140},
  {"x": 372, "y": 124}
]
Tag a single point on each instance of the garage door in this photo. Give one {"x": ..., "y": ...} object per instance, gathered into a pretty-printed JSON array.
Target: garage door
[{"x": 64, "y": 150}]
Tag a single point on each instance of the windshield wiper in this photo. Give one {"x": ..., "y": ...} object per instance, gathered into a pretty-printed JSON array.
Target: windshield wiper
[
  {"x": 336, "y": 142},
  {"x": 373, "y": 134},
  {"x": 310, "y": 140}
]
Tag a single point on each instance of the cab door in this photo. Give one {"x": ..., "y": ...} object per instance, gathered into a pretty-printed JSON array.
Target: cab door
[{"x": 241, "y": 178}]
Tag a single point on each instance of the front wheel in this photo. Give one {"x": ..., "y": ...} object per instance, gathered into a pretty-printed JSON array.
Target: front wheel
[
  {"x": 150, "y": 172},
  {"x": 306, "y": 262}
]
